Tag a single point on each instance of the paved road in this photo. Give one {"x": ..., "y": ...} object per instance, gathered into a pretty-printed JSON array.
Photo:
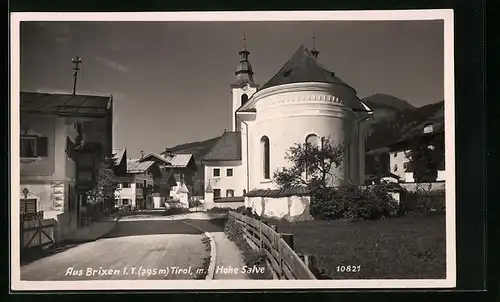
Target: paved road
[{"x": 139, "y": 248}]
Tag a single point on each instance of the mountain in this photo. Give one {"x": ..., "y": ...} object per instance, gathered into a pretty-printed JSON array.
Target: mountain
[
  {"x": 199, "y": 150},
  {"x": 385, "y": 101},
  {"x": 383, "y": 132}
]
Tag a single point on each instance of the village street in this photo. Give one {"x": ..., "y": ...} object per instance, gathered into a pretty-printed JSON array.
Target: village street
[{"x": 145, "y": 246}]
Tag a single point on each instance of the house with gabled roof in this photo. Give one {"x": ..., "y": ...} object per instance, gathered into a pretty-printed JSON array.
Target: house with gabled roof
[
  {"x": 64, "y": 138},
  {"x": 224, "y": 173},
  {"x": 303, "y": 102},
  {"x": 177, "y": 172},
  {"x": 135, "y": 188}
]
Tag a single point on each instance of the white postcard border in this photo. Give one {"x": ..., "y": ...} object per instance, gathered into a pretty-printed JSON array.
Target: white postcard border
[{"x": 388, "y": 15}]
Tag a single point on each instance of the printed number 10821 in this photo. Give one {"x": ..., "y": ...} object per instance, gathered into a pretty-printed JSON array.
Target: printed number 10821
[{"x": 348, "y": 268}]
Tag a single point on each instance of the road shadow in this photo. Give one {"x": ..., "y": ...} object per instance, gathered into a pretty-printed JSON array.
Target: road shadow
[
  {"x": 36, "y": 253},
  {"x": 158, "y": 227},
  {"x": 212, "y": 225}
]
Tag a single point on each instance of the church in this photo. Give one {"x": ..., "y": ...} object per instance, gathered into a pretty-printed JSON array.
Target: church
[{"x": 303, "y": 102}]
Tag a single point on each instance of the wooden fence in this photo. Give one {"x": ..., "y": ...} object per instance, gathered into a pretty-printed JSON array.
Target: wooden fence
[
  {"x": 285, "y": 263},
  {"x": 36, "y": 232}
]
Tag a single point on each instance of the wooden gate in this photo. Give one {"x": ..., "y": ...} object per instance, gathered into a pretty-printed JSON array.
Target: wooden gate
[{"x": 36, "y": 231}]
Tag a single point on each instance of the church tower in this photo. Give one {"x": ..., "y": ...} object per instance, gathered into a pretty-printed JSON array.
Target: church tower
[{"x": 243, "y": 87}]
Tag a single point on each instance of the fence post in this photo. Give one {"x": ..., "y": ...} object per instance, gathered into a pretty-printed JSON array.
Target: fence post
[
  {"x": 288, "y": 238},
  {"x": 40, "y": 229},
  {"x": 260, "y": 236},
  {"x": 280, "y": 258},
  {"x": 309, "y": 261}
]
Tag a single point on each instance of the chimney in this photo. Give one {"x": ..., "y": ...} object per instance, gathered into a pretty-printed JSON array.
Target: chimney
[
  {"x": 168, "y": 152},
  {"x": 142, "y": 154}
]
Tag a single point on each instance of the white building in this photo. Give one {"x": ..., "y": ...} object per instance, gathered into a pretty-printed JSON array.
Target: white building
[{"x": 303, "y": 101}]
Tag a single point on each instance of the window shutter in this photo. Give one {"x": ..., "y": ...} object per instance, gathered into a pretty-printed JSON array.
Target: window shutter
[{"x": 42, "y": 147}]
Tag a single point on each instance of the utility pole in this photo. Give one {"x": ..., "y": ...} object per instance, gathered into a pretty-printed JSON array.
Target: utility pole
[{"x": 77, "y": 62}]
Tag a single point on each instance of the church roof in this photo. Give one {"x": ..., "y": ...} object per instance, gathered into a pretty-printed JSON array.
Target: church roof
[
  {"x": 228, "y": 147},
  {"x": 303, "y": 67}
]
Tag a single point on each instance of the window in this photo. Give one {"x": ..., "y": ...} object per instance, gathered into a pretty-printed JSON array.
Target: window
[
  {"x": 150, "y": 186},
  {"x": 125, "y": 201},
  {"x": 28, "y": 206},
  {"x": 230, "y": 193},
  {"x": 312, "y": 140},
  {"x": 266, "y": 169},
  {"x": 70, "y": 146},
  {"x": 395, "y": 168},
  {"x": 138, "y": 185},
  {"x": 144, "y": 184},
  {"x": 428, "y": 129},
  {"x": 33, "y": 146},
  {"x": 126, "y": 185},
  {"x": 244, "y": 99},
  {"x": 216, "y": 193},
  {"x": 229, "y": 172},
  {"x": 406, "y": 166},
  {"x": 216, "y": 172},
  {"x": 395, "y": 154}
]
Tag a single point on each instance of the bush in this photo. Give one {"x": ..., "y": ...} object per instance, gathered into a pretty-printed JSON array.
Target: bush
[
  {"x": 248, "y": 212},
  {"x": 422, "y": 201},
  {"x": 175, "y": 211},
  {"x": 218, "y": 210},
  {"x": 353, "y": 203}
]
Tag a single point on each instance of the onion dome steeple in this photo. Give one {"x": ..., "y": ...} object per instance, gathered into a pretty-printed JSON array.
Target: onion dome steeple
[
  {"x": 244, "y": 72},
  {"x": 314, "y": 51}
]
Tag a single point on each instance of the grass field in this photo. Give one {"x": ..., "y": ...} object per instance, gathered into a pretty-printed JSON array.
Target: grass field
[{"x": 397, "y": 248}]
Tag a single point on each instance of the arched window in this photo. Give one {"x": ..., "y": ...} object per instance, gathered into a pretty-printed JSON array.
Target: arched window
[
  {"x": 312, "y": 139},
  {"x": 266, "y": 167},
  {"x": 244, "y": 99}
]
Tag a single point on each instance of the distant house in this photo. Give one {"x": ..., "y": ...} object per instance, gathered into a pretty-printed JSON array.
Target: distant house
[
  {"x": 400, "y": 161},
  {"x": 425, "y": 123},
  {"x": 177, "y": 176},
  {"x": 64, "y": 139},
  {"x": 136, "y": 186}
]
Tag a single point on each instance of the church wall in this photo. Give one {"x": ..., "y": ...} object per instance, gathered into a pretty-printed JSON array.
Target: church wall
[{"x": 288, "y": 118}]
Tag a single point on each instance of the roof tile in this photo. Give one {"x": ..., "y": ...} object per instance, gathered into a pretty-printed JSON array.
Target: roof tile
[
  {"x": 277, "y": 193},
  {"x": 137, "y": 166},
  {"x": 228, "y": 147}
]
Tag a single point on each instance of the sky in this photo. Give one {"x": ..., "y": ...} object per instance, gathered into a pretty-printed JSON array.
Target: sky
[{"x": 170, "y": 81}]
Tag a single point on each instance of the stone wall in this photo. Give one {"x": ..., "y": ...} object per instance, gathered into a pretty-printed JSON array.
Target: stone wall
[{"x": 291, "y": 208}]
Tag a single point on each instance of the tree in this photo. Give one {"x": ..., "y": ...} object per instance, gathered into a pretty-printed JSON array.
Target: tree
[
  {"x": 311, "y": 164},
  {"x": 106, "y": 184},
  {"x": 426, "y": 155}
]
